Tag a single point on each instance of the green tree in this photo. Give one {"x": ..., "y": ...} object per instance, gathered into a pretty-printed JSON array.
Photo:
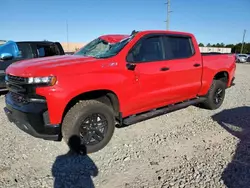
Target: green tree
[
  {"x": 201, "y": 44},
  {"x": 208, "y": 45},
  {"x": 217, "y": 45},
  {"x": 222, "y": 44},
  {"x": 229, "y": 46},
  {"x": 247, "y": 47}
]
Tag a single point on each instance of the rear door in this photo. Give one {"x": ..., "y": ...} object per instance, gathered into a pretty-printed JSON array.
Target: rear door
[{"x": 183, "y": 78}]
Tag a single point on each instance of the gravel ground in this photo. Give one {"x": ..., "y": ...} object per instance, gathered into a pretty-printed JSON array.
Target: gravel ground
[{"x": 188, "y": 148}]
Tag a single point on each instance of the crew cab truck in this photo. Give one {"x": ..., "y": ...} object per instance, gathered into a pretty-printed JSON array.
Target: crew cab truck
[{"x": 115, "y": 80}]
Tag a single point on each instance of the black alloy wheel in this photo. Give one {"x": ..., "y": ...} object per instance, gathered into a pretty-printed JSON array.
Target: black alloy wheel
[
  {"x": 218, "y": 96},
  {"x": 93, "y": 129}
]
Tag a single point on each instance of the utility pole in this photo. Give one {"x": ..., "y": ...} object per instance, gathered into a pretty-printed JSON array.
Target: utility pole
[
  {"x": 67, "y": 30},
  {"x": 168, "y": 13},
  {"x": 242, "y": 46}
]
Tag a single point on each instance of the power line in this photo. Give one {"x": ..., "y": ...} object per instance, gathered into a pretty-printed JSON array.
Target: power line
[
  {"x": 67, "y": 34},
  {"x": 242, "y": 45}
]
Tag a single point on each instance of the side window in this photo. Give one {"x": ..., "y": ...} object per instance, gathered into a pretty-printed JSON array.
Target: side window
[
  {"x": 47, "y": 50},
  {"x": 178, "y": 47},
  {"x": 25, "y": 50},
  {"x": 40, "y": 51},
  {"x": 149, "y": 49}
]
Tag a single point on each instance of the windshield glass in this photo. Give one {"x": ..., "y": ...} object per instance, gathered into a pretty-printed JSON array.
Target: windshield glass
[
  {"x": 100, "y": 48},
  {"x": 95, "y": 47}
]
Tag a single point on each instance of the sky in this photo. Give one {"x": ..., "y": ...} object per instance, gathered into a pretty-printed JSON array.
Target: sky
[{"x": 211, "y": 21}]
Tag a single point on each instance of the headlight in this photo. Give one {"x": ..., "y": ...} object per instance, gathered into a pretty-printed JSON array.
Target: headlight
[{"x": 49, "y": 80}]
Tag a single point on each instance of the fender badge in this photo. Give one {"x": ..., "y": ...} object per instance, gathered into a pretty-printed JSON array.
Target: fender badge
[{"x": 112, "y": 64}]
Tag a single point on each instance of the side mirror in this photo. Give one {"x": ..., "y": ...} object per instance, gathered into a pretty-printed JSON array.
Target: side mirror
[
  {"x": 6, "y": 56},
  {"x": 130, "y": 66}
]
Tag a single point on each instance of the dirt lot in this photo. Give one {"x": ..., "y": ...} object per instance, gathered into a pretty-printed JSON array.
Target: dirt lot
[{"x": 188, "y": 148}]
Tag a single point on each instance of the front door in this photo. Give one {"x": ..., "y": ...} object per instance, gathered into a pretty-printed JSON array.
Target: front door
[{"x": 150, "y": 71}]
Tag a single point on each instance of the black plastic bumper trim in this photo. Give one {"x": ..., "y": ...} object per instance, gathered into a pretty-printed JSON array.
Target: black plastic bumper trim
[
  {"x": 16, "y": 117},
  {"x": 32, "y": 118}
]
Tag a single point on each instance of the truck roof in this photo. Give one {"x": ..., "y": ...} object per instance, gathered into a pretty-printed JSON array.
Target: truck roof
[
  {"x": 113, "y": 38},
  {"x": 41, "y": 42},
  {"x": 165, "y": 32}
]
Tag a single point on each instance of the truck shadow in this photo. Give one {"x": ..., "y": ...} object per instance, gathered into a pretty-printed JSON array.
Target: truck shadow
[
  {"x": 75, "y": 168},
  {"x": 237, "y": 122}
]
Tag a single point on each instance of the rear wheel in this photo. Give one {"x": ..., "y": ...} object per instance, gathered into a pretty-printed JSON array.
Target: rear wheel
[
  {"x": 92, "y": 121},
  {"x": 216, "y": 95}
]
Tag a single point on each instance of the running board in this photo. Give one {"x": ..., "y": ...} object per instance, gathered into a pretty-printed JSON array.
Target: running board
[{"x": 157, "y": 112}]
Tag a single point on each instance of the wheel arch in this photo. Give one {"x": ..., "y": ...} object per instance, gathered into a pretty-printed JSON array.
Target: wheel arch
[
  {"x": 222, "y": 75},
  {"x": 103, "y": 95}
]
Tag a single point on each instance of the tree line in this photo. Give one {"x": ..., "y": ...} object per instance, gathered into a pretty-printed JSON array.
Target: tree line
[{"x": 235, "y": 47}]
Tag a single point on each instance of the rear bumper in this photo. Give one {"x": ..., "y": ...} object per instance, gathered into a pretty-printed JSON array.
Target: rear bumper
[{"x": 32, "y": 118}]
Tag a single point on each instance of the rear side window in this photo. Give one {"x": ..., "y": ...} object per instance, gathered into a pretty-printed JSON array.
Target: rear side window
[
  {"x": 47, "y": 50},
  {"x": 147, "y": 50},
  {"x": 178, "y": 47}
]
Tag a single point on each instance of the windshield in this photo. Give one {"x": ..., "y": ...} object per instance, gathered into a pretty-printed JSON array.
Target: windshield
[
  {"x": 95, "y": 47},
  {"x": 100, "y": 48}
]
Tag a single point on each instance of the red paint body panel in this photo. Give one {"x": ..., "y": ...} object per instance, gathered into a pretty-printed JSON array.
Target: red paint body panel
[
  {"x": 113, "y": 38},
  {"x": 140, "y": 90},
  {"x": 214, "y": 64}
]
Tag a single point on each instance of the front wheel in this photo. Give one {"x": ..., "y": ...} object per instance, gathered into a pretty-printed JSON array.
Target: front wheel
[
  {"x": 216, "y": 95},
  {"x": 92, "y": 121}
]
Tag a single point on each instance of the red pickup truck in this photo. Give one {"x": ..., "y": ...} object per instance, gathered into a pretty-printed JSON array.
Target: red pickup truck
[{"x": 115, "y": 80}]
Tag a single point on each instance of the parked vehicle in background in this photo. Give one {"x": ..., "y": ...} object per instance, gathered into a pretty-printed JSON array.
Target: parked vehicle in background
[
  {"x": 115, "y": 79},
  {"x": 11, "y": 52},
  {"x": 248, "y": 59},
  {"x": 241, "y": 58}
]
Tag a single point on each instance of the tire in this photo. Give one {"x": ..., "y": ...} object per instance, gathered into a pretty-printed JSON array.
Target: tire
[
  {"x": 217, "y": 87},
  {"x": 84, "y": 111}
]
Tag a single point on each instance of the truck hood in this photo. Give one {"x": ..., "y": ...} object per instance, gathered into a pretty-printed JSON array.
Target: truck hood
[{"x": 53, "y": 65}]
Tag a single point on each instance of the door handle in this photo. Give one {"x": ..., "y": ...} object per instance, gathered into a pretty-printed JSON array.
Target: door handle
[
  {"x": 164, "y": 69},
  {"x": 197, "y": 65}
]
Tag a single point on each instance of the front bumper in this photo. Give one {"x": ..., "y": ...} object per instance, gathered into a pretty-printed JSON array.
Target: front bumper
[{"x": 32, "y": 118}]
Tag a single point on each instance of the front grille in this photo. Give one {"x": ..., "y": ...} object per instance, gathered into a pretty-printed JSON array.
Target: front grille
[
  {"x": 18, "y": 98},
  {"x": 16, "y": 79},
  {"x": 21, "y": 92}
]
